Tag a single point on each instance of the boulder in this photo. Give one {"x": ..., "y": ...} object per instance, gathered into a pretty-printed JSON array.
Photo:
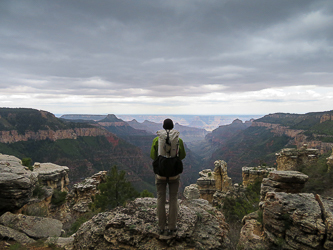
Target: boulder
[
  {"x": 295, "y": 219},
  {"x": 252, "y": 236},
  {"x": 283, "y": 181},
  {"x": 191, "y": 192},
  {"x": 16, "y": 183},
  {"x": 200, "y": 226},
  {"x": 33, "y": 226},
  {"x": 52, "y": 175},
  {"x": 9, "y": 233}
]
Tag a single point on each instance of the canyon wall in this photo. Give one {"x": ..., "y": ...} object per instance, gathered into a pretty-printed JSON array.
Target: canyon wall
[{"x": 53, "y": 135}]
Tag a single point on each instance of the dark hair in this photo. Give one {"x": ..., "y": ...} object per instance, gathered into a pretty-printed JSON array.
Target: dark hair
[{"x": 168, "y": 124}]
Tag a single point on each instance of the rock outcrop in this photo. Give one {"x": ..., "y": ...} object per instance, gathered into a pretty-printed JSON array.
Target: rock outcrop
[
  {"x": 252, "y": 175},
  {"x": 33, "y": 226},
  {"x": 293, "y": 159},
  {"x": 283, "y": 181},
  {"x": 212, "y": 181},
  {"x": 293, "y": 221},
  {"x": 11, "y": 234},
  {"x": 52, "y": 175},
  {"x": 82, "y": 193},
  {"x": 200, "y": 226},
  {"x": 16, "y": 183},
  {"x": 206, "y": 185},
  {"x": 192, "y": 192}
]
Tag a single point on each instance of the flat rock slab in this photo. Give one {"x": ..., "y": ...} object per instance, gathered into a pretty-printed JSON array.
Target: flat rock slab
[
  {"x": 288, "y": 177},
  {"x": 9, "y": 233},
  {"x": 33, "y": 226}
]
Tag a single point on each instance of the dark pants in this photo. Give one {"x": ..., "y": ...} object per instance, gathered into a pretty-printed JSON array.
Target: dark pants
[{"x": 161, "y": 185}]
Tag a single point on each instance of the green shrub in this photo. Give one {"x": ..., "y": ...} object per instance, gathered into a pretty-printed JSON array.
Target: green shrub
[
  {"x": 35, "y": 210},
  {"x": 58, "y": 197},
  {"x": 146, "y": 193},
  {"x": 116, "y": 191},
  {"x": 260, "y": 216},
  {"x": 79, "y": 221},
  {"x": 28, "y": 163},
  {"x": 38, "y": 191}
]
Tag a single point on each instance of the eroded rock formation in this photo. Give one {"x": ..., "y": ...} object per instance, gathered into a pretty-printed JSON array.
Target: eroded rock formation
[
  {"x": 192, "y": 192},
  {"x": 52, "y": 175},
  {"x": 212, "y": 181},
  {"x": 16, "y": 183},
  {"x": 293, "y": 159},
  {"x": 252, "y": 175},
  {"x": 82, "y": 193},
  {"x": 32, "y": 226},
  {"x": 283, "y": 181},
  {"x": 200, "y": 226}
]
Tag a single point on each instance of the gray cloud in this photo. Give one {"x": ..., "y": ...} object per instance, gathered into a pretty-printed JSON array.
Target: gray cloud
[{"x": 164, "y": 48}]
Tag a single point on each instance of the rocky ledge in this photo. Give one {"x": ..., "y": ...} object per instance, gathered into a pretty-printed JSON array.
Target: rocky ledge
[
  {"x": 200, "y": 226},
  {"x": 52, "y": 175},
  {"x": 16, "y": 183}
]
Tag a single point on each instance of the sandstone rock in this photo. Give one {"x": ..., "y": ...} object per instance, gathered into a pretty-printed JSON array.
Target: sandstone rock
[
  {"x": 253, "y": 174},
  {"x": 293, "y": 177},
  {"x": 296, "y": 218},
  {"x": 212, "y": 181},
  {"x": 33, "y": 226},
  {"x": 200, "y": 226},
  {"x": 191, "y": 192},
  {"x": 9, "y": 233},
  {"x": 62, "y": 242},
  {"x": 293, "y": 159},
  {"x": 252, "y": 236},
  {"x": 326, "y": 205},
  {"x": 283, "y": 181},
  {"x": 222, "y": 181},
  {"x": 16, "y": 183},
  {"x": 81, "y": 195},
  {"x": 52, "y": 175},
  {"x": 206, "y": 184}
]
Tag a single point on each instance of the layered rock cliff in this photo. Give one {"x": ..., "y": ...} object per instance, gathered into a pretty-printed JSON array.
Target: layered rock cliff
[
  {"x": 53, "y": 135},
  {"x": 16, "y": 183},
  {"x": 288, "y": 219}
]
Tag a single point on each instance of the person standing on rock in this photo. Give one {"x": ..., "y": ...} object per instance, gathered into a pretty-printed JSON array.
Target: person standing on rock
[{"x": 167, "y": 151}]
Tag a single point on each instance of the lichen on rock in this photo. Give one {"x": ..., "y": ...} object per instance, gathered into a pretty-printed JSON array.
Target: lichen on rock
[{"x": 135, "y": 227}]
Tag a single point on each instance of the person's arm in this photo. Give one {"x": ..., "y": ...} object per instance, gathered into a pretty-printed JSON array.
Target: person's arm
[
  {"x": 182, "y": 152},
  {"x": 154, "y": 149}
]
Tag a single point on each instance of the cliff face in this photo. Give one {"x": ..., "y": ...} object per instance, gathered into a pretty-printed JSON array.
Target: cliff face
[
  {"x": 278, "y": 129},
  {"x": 288, "y": 219},
  {"x": 13, "y": 136},
  {"x": 16, "y": 183}
]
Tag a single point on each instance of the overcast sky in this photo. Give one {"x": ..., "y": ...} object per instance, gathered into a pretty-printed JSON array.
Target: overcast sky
[{"x": 167, "y": 56}]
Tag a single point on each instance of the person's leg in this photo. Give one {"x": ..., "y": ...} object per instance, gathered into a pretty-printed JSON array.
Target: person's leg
[
  {"x": 161, "y": 198},
  {"x": 173, "y": 205}
]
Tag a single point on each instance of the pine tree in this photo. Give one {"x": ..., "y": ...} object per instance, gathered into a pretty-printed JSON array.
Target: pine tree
[{"x": 115, "y": 191}]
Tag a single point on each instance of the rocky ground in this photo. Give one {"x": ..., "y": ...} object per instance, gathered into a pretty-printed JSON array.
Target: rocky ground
[{"x": 200, "y": 226}]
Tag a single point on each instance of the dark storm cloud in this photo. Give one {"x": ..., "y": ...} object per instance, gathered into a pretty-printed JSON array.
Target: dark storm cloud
[{"x": 164, "y": 48}]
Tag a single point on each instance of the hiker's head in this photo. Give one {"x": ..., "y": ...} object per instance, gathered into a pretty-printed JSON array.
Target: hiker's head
[{"x": 168, "y": 124}]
